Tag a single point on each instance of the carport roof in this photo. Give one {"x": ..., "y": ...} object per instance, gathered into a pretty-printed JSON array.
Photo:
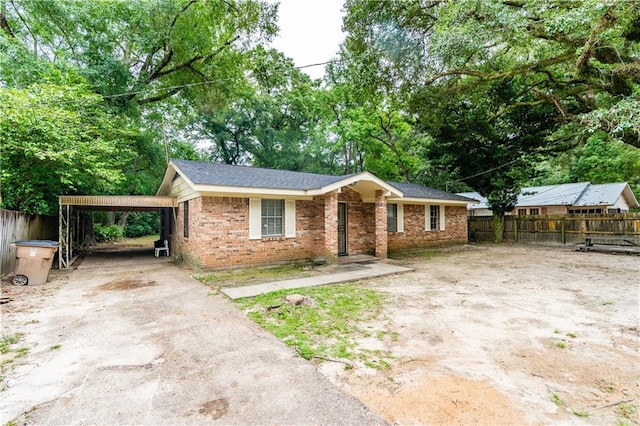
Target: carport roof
[{"x": 117, "y": 202}]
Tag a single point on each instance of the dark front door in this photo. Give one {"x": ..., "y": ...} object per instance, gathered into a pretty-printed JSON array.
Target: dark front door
[{"x": 342, "y": 229}]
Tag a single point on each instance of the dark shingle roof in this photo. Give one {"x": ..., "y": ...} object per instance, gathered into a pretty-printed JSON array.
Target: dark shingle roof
[
  {"x": 201, "y": 173},
  {"x": 414, "y": 190}
]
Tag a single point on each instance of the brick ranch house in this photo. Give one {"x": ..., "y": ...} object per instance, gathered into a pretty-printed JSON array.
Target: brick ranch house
[{"x": 230, "y": 216}]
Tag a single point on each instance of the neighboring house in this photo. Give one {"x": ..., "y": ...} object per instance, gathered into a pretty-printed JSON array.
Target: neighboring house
[
  {"x": 243, "y": 216},
  {"x": 568, "y": 198}
]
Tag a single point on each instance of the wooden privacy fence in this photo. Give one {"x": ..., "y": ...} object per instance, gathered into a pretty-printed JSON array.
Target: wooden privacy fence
[
  {"x": 16, "y": 226},
  {"x": 570, "y": 229}
]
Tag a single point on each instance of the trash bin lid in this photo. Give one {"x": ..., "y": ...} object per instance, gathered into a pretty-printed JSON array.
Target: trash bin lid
[{"x": 37, "y": 243}]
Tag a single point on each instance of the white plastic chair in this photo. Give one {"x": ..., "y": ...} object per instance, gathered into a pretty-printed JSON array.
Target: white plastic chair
[{"x": 165, "y": 248}]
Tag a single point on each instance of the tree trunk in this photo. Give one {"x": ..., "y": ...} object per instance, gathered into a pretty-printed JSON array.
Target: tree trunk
[
  {"x": 123, "y": 219},
  {"x": 498, "y": 227}
]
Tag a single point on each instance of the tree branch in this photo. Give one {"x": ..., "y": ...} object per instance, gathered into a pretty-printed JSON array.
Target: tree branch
[
  {"x": 508, "y": 73},
  {"x": 605, "y": 21},
  {"x": 188, "y": 63},
  {"x": 160, "y": 97},
  {"x": 5, "y": 25},
  {"x": 175, "y": 18}
]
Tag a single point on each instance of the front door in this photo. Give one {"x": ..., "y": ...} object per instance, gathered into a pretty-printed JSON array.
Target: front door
[{"x": 342, "y": 229}]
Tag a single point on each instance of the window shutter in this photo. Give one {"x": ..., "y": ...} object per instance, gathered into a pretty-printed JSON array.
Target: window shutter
[
  {"x": 290, "y": 218},
  {"x": 255, "y": 218},
  {"x": 400, "y": 219},
  {"x": 427, "y": 217},
  {"x": 442, "y": 218}
]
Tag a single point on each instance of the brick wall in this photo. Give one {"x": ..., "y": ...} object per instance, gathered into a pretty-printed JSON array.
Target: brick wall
[
  {"x": 219, "y": 231},
  {"x": 415, "y": 236},
  {"x": 219, "y": 234}
]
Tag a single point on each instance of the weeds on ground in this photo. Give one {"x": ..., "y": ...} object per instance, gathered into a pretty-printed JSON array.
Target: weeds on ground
[
  {"x": 9, "y": 353},
  {"x": 8, "y": 341},
  {"x": 628, "y": 411},
  {"x": 328, "y": 328},
  {"x": 557, "y": 400}
]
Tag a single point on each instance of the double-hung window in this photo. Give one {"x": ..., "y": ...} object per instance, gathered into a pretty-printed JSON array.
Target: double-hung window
[
  {"x": 272, "y": 218},
  {"x": 434, "y": 217},
  {"x": 392, "y": 217}
]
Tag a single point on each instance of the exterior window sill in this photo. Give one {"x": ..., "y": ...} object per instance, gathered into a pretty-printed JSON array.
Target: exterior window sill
[{"x": 273, "y": 238}]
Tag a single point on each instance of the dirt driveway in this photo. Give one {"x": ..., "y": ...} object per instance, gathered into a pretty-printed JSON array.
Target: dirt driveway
[
  {"x": 484, "y": 335},
  {"x": 507, "y": 335},
  {"x": 137, "y": 341}
]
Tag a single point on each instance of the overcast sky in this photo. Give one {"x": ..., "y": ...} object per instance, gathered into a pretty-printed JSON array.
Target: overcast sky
[{"x": 310, "y": 32}]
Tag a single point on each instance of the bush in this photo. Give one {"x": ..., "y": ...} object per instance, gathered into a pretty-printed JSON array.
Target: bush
[
  {"x": 107, "y": 234},
  {"x": 140, "y": 224}
]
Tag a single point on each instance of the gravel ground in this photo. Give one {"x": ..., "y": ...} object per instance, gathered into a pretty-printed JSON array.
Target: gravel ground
[{"x": 137, "y": 341}]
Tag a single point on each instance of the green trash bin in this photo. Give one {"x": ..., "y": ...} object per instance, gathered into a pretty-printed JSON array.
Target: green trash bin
[{"x": 33, "y": 261}]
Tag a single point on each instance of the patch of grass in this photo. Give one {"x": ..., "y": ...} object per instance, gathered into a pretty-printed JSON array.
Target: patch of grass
[
  {"x": 20, "y": 352},
  {"x": 7, "y": 341},
  {"x": 572, "y": 335},
  {"x": 605, "y": 303},
  {"x": 250, "y": 275},
  {"x": 557, "y": 331},
  {"x": 580, "y": 413},
  {"x": 55, "y": 347},
  {"x": 605, "y": 386},
  {"x": 627, "y": 410},
  {"x": 327, "y": 328},
  {"x": 556, "y": 399},
  {"x": 561, "y": 345}
]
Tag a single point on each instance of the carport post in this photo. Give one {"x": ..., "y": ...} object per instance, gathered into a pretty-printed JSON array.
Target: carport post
[{"x": 63, "y": 236}]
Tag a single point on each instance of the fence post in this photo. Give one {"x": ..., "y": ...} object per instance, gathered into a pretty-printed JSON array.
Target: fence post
[
  {"x": 515, "y": 229},
  {"x": 563, "y": 234}
]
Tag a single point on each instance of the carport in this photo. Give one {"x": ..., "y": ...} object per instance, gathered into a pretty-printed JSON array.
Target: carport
[{"x": 72, "y": 226}]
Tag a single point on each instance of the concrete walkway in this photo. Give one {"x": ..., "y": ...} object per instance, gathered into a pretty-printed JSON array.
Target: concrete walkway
[{"x": 352, "y": 272}]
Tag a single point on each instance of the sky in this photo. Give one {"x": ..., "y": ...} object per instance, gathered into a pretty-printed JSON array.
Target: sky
[{"x": 310, "y": 32}]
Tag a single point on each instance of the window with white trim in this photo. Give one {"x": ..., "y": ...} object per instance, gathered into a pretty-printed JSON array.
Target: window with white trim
[
  {"x": 392, "y": 217},
  {"x": 272, "y": 218}
]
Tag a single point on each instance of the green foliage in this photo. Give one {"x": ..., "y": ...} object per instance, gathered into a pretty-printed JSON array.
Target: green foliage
[
  {"x": 140, "y": 224},
  {"x": 328, "y": 327},
  {"x": 57, "y": 140},
  {"x": 497, "y": 86},
  {"x": 8, "y": 341},
  {"x": 107, "y": 233}
]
